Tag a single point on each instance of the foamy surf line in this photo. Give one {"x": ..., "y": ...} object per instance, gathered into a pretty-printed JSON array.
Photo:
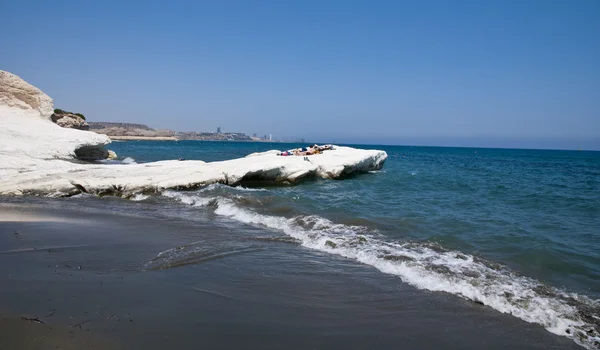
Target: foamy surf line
[
  {"x": 126, "y": 160},
  {"x": 139, "y": 197},
  {"x": 430, "y": 267},
  {"x": 214, "y": 187},
  {"x": 193, "y": 200}
]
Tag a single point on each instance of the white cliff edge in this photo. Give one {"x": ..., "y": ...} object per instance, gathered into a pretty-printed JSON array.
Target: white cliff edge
[{"x": 38, "y": 157}]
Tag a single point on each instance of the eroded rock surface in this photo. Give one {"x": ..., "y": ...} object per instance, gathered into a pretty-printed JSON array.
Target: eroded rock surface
[
  {"x": 70, "y": 120},
  {"x": 38, "y": 157}
]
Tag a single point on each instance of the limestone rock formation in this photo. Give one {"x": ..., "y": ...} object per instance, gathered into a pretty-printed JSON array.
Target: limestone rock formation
[
  {"x": 69, "y": 120},
  {"x": 28, "y": 133},
  {"x": 20, "y": 96},
  {"x": 37, "y": 157}
]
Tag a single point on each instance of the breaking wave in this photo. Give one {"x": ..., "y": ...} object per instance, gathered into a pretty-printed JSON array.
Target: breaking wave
[
  {"x": 214, "y": 187},
  {"x": 429, "y": 266},
  {"x": 139, "y": 197},
  {"x": 193, "y": 200}
]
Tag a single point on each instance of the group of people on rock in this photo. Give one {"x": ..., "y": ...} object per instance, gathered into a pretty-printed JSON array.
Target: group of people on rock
[{"x": 306, "y": 151}]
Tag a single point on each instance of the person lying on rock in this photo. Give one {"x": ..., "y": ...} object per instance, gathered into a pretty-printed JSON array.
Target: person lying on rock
[{"x": 306, "y": 151}]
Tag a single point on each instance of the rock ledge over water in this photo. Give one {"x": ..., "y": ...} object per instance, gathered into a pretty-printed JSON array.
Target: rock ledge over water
[{"x": 41, "y": 158}]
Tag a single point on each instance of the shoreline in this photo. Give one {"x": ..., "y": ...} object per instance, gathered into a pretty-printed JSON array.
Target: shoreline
[
  {"x": 38, "y": 333},
  {"x": 239, "y": 292}
]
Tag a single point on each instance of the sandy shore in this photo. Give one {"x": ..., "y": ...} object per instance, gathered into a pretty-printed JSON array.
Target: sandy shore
[
  {"x": 90, "y": 275},
  {"x": 29, "y": 333}
]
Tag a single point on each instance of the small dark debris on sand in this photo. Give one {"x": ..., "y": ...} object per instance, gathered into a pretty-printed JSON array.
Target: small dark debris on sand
[
  {"x": 33, "y": 319},
  {"x": 79, "y": 324}
]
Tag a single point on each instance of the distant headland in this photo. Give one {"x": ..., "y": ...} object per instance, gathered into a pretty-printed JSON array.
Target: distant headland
[{"x": 130, "y": 131}]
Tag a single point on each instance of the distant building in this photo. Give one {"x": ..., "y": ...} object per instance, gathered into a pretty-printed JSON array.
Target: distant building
[
  {"x": 270, "y": 137},
  {"x": 218, "y": 129}
]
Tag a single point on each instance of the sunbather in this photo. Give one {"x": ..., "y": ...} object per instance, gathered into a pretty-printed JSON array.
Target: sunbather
[{"x": 306, "y": 151}]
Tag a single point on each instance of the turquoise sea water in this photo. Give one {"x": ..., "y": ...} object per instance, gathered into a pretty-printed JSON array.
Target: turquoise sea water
[
  {"x": 537, "y": 211},
  {"x": 516, "y": 230}
]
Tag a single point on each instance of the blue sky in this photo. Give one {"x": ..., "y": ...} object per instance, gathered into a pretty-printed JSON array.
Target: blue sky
[{"x": 470, "y": 73}]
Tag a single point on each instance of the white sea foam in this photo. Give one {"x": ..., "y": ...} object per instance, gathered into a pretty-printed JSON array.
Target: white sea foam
[
  {"x": 217, "y": 186},
  {"x": 193, "y": 200},
  {"x": 127, "y": 160},
  {"x": 249, "y": 189},
  {"x": 139, "y": 197},
  {"x": 430, "y": 267},
  {"x": 82, "y": 195}
]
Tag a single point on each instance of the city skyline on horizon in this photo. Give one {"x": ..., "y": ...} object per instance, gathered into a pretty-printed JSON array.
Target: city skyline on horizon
[{"x": 477, "y": 141}]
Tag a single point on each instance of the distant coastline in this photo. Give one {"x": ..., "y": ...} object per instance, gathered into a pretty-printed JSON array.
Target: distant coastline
[
  {"x": 173, "y": 138},
  {"x": 130, "y": 131},
  {"x": 143, "y": 138}
]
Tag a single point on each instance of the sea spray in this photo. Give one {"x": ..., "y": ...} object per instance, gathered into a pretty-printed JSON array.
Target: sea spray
[{"x": 429, "y": 266}]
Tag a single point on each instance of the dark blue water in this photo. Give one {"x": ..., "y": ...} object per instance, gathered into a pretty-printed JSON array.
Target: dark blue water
[
  {"x": 517, "y": 230},
  {"x": 537, "y": 211}
]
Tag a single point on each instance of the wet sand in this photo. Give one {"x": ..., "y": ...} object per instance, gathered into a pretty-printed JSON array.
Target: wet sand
[
  {"x": 95, "y": 281},
  {"x": 31, "y": 334}
]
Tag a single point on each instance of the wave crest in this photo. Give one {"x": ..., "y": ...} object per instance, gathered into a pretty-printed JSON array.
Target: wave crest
[{"x": 427, "y": 265}]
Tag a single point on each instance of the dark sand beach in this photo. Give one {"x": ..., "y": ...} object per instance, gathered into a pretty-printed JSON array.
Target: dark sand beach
[{"x": 95, "y": 281}]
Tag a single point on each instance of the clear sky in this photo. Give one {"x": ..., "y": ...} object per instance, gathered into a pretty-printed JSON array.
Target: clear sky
[{"x": 472, "y": 73}]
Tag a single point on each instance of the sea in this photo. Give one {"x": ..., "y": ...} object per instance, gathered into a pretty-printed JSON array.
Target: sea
[{"x": 513, "y": 231}]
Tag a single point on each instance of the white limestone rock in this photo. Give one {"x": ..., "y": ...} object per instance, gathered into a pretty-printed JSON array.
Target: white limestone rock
[
  {"x": 38, "y": 157},
  {"x": 17, "y": 94},
  {"x": 27, "y": 128},
  {"x": 64, "y": 178}
]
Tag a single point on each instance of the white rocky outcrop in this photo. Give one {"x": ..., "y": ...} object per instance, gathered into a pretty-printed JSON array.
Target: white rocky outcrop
[
  {"x": 17, "y": 94},
  {"x": 39, "y": 157},
  {"x": 27, "y": 131},
  {"x": 70, "y": 120}
]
